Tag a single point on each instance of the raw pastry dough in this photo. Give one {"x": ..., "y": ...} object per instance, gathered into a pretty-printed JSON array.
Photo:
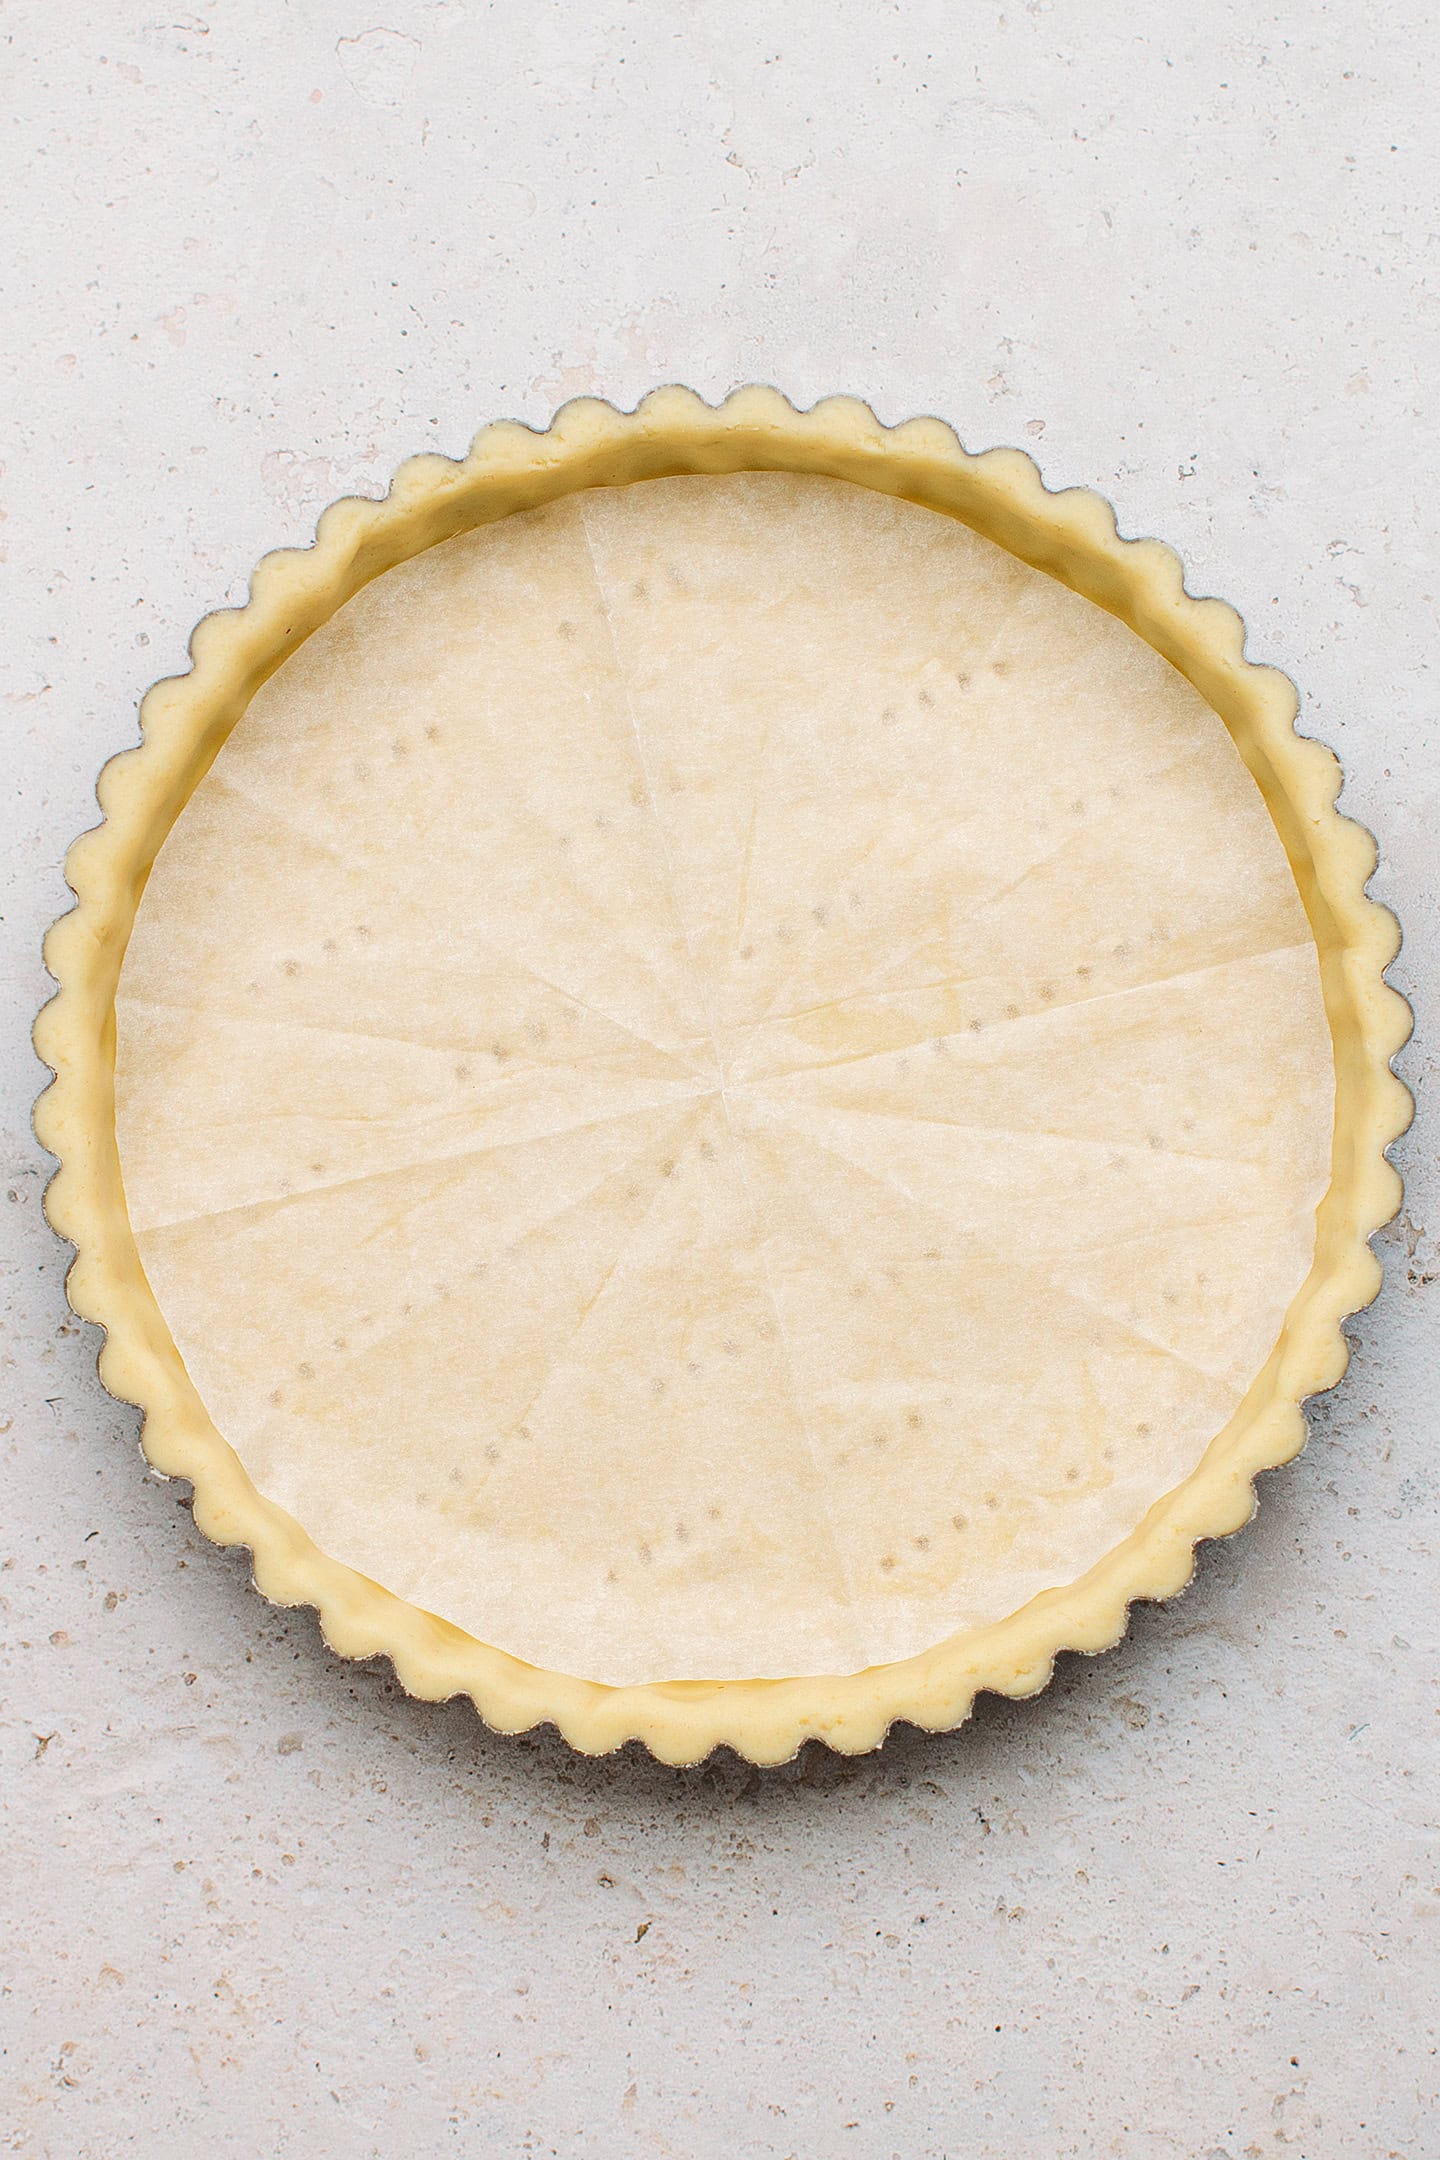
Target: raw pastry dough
[{"x": 722, "y": 1080}]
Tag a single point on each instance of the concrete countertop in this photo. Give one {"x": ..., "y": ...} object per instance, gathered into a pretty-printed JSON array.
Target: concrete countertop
[{"x": 1183, "y": 1907}]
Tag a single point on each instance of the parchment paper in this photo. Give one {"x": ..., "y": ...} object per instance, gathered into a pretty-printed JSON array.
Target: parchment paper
[{"x": 722, "y": 1080}]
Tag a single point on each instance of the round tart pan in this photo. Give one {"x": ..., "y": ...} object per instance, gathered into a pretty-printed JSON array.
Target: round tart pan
[{"x": 721, "y": 1075}]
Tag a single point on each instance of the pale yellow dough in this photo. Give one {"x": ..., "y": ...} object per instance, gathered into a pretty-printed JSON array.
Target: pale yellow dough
[{"x": 721, "y": 1080}]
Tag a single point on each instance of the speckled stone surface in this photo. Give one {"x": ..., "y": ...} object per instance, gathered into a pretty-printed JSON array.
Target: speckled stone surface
[{"x": 1185, "y": 1907}]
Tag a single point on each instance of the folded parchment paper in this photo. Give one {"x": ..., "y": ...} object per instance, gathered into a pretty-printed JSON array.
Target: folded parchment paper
[{"x": 722, "y": 1080}]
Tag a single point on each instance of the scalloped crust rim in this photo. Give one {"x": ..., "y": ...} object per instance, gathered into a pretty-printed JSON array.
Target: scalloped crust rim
[{"x": 1072, "y": 536}]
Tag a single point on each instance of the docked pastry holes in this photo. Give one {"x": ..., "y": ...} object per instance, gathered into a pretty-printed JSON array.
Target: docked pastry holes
[{"x": 722, "y": 1080}]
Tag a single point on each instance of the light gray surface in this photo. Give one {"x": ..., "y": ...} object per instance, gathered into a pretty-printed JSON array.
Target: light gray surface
[{"x": 1184, "y": 1907}]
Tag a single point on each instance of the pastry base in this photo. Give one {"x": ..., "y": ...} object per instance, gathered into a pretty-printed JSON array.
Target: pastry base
[{"x": 1069, "y": 536}]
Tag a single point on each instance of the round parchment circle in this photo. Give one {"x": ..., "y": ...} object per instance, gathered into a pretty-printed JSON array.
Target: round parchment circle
[{"x": 722, "y": 1080}]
